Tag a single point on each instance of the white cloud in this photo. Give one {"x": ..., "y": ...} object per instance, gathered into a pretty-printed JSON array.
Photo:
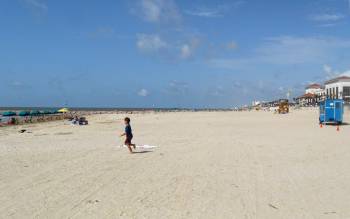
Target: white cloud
[
  {"x": 327, "y": 69},
  {"x": 150, "y": 43},
  {"x": 295, "y": 50},
  {"x": 172, "y": 49},
  {"x": 328, "y": 25},
  {"x": 217, "y": 91},
  {"x": 37, "y": 4},
  {"x": 288, "y": 50},
  {"x": 151, "y": 10},
  {"x": 188, "y": 49},
  {"x": 185, "y": 51},
  {"x": 326, "y": 17},
  {"x": 330, "y": 73},
  {"x": 177, "y": 87},
  {"x": 19, "y": 85},
  {"x": 217, "y": 11},
  {"x": 346, "y": 73},
  {"x": 203, "y": 12},
  {"x": 143, "y": 92},
  {"x": 159, "y": 11}
]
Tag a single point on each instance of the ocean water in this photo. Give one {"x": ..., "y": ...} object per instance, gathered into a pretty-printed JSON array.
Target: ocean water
[
  {"x": 82, "y": 109},
  {"x": 2, "y": 109}
]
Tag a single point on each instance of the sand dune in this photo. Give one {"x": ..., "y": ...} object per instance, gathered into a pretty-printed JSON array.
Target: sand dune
[{"x": 206, "y": 165}]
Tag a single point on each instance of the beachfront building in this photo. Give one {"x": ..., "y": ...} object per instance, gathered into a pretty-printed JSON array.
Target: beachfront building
[
  {"x": 338, "y": 88},
  {"x": 308, "y": 99},
  {"x": 314, "y": 94},
  {"x": 316, "y": 89}
]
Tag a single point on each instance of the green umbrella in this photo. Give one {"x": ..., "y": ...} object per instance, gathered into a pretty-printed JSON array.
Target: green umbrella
[
  {"x": 46, "y": 112},
  {"x": 8, "y": 113},
  {"x": 24, "y": 113},
  {"x": 35, "y": 113}
]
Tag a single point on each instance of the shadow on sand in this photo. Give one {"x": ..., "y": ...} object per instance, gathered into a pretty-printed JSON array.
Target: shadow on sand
[
  {"x": 141, "y": 152},
  {"x": 342, "y": 124}
]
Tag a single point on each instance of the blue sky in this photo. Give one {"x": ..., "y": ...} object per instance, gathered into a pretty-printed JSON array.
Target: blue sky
[{"x": 168, "y": 53}]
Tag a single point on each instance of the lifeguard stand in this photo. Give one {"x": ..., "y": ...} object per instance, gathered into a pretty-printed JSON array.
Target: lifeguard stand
[{"x": 331, "y": 111}]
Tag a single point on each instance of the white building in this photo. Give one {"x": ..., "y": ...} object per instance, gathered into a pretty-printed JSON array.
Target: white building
[
  {"x": 316, "y": 89},
  {"x": 256, "y": 103},
  {"x": 338, "y": 88}
]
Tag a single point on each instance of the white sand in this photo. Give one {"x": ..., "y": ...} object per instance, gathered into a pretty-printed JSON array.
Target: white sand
[{"x": 207, "y": 165}]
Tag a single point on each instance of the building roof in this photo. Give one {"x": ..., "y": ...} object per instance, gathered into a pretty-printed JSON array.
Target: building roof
[
  {"x": 338, "y": 79},
  {"x": 314, "y": 86},
  {"x": 306, "y": 96}
]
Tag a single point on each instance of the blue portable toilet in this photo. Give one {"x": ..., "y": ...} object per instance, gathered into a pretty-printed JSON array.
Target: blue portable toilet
[{"x": 331, "y": 111}]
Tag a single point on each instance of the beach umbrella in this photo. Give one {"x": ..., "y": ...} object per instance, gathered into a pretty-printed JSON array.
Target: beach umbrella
[
  {"x": 8, "y": 113},
  {"x": 24, "y": 113},
  {"x": 54, "y": 111},
  {"x": 46, "y": 112},
  {"x": 63, "y": 110},
  {"x": 35, "y": 113}
]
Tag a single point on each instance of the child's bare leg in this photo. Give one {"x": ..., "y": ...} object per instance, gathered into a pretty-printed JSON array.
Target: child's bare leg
[
  {"x": 134, "y": 146},
  {"x": 129, "y": 147}
]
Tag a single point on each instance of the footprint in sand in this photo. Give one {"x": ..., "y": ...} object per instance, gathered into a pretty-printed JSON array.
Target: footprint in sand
[
  {"x": 43, "y": 134},
  {"x": 92, "y": 201}
]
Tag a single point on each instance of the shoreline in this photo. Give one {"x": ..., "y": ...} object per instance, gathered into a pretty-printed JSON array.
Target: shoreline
[{"x": 21, "y": 120}]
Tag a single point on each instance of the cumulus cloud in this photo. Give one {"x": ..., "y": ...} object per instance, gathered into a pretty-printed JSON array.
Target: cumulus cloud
[
  {"x": 154, "y": 44},
  {"x": 188, "y": 49},
  {"x": 172, "y": 42},
  {"x": 150, "y": 43},
  {"x": 143, "y": 92},
  {"x": 156, "y": 11}
]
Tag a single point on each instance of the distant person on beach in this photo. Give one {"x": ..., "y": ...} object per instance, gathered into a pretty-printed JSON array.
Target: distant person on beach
[{"x": 128, "y": 134}]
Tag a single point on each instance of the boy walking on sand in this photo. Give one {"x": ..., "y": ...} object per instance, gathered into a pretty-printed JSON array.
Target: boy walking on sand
[{"x": 128, "y": 134}]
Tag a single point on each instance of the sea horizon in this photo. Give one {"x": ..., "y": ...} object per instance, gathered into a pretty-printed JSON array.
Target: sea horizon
[{"x": 75, "y": 108}]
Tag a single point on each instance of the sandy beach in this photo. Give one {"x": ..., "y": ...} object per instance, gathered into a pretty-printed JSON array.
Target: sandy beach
[{"x": 207, "y": 165}]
